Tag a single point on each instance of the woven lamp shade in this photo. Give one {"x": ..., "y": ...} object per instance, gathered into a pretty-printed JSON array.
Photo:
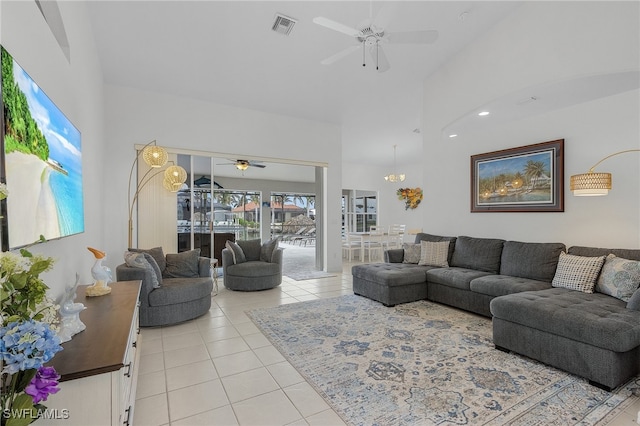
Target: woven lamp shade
[
  {"x": 171, "y": 186},
  {"x": 175, "y": 174},
  {"x": 590, "y": 184},
  {"x": 155, "y": 156}
]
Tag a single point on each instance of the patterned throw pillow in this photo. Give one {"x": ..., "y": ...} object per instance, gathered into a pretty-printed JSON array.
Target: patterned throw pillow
[
  {"x": 619, "y": 277},
  {"x": 411, "y": 253},
  {"x": 140, "y": 260},
  {"x": 157, "y": 253},
  {"x": 577, "y": 272},
  {"x": 236, "y": 252},
  {"x": 434, "y": 254}
]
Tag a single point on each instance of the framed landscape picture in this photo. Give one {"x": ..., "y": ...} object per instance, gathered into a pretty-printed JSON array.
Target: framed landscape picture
[{"x": 524, "y": 179}]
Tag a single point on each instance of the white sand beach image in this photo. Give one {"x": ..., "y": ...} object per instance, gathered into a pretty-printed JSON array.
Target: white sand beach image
[{"x": 32, "y": 206}]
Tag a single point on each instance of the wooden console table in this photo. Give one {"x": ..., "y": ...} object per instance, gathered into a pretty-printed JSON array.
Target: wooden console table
[{"x": 99, "y": 366}]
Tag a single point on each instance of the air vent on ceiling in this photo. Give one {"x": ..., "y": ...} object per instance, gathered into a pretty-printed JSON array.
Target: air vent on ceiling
[{"x": 283, "y": 24}]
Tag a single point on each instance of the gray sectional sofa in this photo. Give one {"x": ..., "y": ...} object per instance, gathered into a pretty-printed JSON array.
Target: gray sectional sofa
[{"x": 592, "y": 335}]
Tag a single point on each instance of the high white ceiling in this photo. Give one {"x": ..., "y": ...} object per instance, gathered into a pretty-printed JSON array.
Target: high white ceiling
[{"x": 226, "y": 52}]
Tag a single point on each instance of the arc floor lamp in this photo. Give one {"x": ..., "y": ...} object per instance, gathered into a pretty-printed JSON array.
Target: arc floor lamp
[
  {"x": 594, "y": 183},
  {"x": 155, "y": 157}
]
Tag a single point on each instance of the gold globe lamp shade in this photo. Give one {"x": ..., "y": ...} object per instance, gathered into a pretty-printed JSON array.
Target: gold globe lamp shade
[
  {"x": 175, "y": 174},
  {"x": 155, "y": 156},
  {"x": 171, "y": 186}
]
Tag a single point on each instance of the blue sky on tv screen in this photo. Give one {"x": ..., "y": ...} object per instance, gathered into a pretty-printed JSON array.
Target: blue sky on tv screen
[{"x": 61, "y": 135}]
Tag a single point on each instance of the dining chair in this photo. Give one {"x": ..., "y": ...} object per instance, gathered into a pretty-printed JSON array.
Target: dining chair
[
  {"x": 351, "y": 244},
  {"x": 395, "y": 236},
  {"x": 373, "y": 243}
]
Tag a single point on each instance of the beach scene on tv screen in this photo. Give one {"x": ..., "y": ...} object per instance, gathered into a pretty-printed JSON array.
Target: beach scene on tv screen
[{"x": 43, "y": 162}]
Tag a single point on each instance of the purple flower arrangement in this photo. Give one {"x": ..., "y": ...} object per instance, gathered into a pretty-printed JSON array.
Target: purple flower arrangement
[{"x": 28, "y": 338}]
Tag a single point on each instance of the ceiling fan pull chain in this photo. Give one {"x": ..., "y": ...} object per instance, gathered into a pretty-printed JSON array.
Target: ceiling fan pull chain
[
  {"x": 377, "y": 62},
  {"x": 363, "y": 56}
]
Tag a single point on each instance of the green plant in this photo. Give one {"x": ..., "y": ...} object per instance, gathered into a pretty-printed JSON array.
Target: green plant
[{"x": 27, "y": 337}]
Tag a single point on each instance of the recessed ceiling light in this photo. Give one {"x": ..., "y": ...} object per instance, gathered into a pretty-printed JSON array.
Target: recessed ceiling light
[
  {"x": 453, "y": 136},
  {"x": 483, "y": 113}
]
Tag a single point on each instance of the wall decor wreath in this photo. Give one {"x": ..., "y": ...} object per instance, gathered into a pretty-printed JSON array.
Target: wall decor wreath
[{"x": 411, "y": 197}]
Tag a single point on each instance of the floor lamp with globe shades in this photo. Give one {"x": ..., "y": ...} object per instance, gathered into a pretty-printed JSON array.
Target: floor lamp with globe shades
[{"x": 155, "y": 157}]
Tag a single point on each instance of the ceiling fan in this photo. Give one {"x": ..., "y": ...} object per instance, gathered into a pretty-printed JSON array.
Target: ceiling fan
[
  {"x": 371, "y": 35},
  {"x": 243, "y": 164}
]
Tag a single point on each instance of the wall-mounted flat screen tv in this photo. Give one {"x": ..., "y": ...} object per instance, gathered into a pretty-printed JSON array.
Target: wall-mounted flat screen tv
[{"x": 41, "y": 163}]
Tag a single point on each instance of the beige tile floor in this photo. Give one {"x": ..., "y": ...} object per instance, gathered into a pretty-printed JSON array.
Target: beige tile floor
[{"x": 220, "y": 370}]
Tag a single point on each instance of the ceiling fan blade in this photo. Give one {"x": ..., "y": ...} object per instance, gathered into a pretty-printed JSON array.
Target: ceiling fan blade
[
  {"x": 384, "y": 16},
  {"x": 336, "y": 26},
  {"x": 340, "y": 55},
  {"x": 261, "y": 166},
  {"x": 380, "y": 60},
  {"x": 413, "y": 37}
]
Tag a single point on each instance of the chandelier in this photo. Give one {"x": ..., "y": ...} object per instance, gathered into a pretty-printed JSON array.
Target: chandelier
[{"x": 394, "y": 177}]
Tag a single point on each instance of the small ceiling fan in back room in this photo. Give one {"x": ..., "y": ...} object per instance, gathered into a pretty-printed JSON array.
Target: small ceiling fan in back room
[
  {"x": 371, "y": 34},
  {"x": 243, "y": 164}
]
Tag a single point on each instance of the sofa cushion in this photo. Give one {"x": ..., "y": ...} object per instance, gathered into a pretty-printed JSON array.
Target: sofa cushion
[
  {"x": 566, "y": 313},
  {"x": 537, "y": 261},
  {"x": 267, "y": 249},
  {"x": 577, "y": 272},
  {"x": 434, "y": 254},
  {"x": 482, "y": 254},
  {"x": 391, "y": 274},
  {"x": 253, "y": 268},
  {"x": 633, "y": 254},
  {"x": 143, "y": 261},
  {"x": 251, "y": 248},
  {"x": 411, "y": 253},
  {"x": 454, "y": 277},
  {"x": 619, "y": 277},
  {"x": 499, "y": 285},
  {"x": 156, "y": 253},
  {"x": 183, "y": 264},
  {"x": 237, "y": 254},
  {"x": 179, "y": 290},
  {"x": 421, "y": 236}
]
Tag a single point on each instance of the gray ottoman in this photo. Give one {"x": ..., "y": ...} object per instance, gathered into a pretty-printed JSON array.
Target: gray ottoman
[{"x": 390, "y": 283}]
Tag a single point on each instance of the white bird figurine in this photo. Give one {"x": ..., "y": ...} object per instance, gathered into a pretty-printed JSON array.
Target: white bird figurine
[
  {"x": 101, "y": 274},
  {"x": 70, "y": 323}
]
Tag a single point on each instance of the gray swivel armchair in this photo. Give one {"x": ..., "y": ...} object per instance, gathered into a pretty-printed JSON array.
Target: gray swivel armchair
[
  {"x": 253, "y": 266},
  {"x": 167, "y": 298}
]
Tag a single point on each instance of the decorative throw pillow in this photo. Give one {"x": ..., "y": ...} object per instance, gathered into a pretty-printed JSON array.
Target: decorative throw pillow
[
  {"x": 577, "y": 272},
  {"x": 619, "y": 278},
  {"x": 236, "y": 252},
  {"x": 434, "y": 254},
  {"x": 267, "y": 250},
  {"x": 182, "y": 265},
  {"x": 251, "y": 248},
  {"x": 138, "y": 260},
  {"x": 411, "y": 253},
  {"x": 157, "y": 253}
]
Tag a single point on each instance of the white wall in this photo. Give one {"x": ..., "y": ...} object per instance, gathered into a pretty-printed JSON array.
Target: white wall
[
  {"x": 76, "y": 88},
  {"x": 137, "y": 117},
  {"x": 542, "y": 42}
]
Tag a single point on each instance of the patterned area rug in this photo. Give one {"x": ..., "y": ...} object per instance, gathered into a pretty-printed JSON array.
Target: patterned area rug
[{"x": 426, "y": 364}]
